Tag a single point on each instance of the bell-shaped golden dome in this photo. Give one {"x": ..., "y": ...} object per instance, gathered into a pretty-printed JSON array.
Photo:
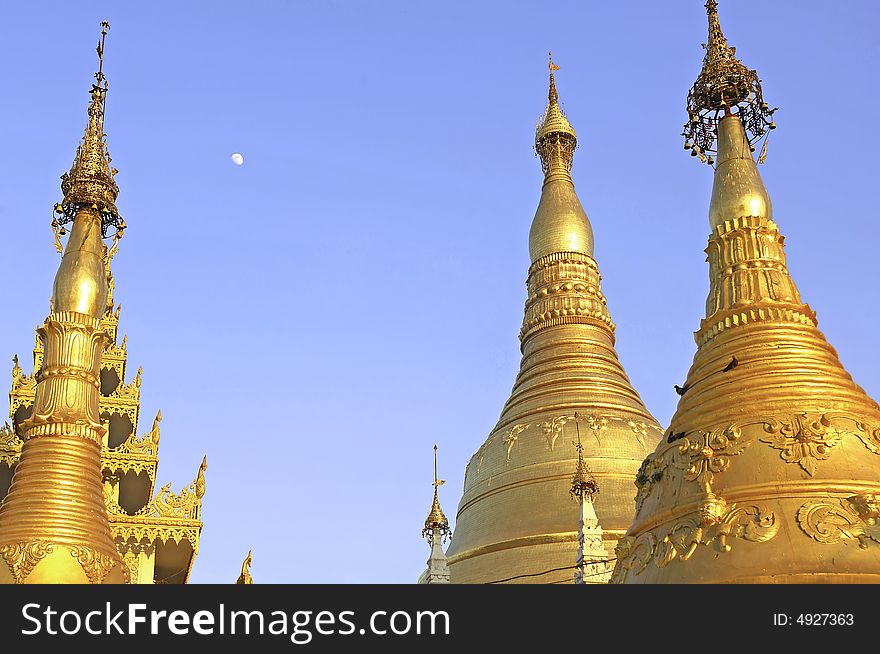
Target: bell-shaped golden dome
[
  {"x": 770, "y": 469},
  {"x": 516, "y": 519}
]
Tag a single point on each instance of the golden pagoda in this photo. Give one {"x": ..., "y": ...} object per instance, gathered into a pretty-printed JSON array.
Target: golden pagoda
[
  {"x": 770, "y": 469},
  {"x": 78, "y": 482},
  {"x": 515, "y": 521}
]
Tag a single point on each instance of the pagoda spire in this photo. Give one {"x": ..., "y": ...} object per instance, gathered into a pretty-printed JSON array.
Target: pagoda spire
[
  {"x": 53, "y": 523},
  {"x": 592, "y": 558},
  {"x": 515, "y": 521},
  {"x": 770, "y": 469},
  {"x": 435, "y": 531},
  {"x": 560, "y": 223}
]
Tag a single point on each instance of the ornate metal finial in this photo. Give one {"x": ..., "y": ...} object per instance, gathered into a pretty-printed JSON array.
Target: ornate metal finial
[
  {"x": 583, "y": 484},
  {"x": 555, "y": 139},
  {"x": 91, "y": 183},
  {"x": 436, "y": 518},
  {"x": 245, "y": 576},
  {"x": 553, "y": 95},
  {"x": 155, "y": 431},
  {"x": 725, "y": 86},
  {"x": 16, "y": 369}
]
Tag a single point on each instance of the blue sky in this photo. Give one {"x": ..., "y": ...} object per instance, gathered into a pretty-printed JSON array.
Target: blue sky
[{"x": 316, "y": 319}]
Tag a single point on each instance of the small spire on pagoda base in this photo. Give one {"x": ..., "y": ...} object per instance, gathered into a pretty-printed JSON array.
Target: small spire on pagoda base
[
  {"x": 593, "y": 565},
  {"x": 436, "y": 530}
]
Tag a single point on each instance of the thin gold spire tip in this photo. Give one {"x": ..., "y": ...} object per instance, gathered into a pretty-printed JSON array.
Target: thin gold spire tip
[{"x": 105, "y": 27}]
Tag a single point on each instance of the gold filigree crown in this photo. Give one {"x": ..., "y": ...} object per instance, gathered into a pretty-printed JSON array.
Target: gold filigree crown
[
  {"x": 90, "y": 182},
  {"x": 724, "y": 86},
  {"x": 555, "y": 138}
]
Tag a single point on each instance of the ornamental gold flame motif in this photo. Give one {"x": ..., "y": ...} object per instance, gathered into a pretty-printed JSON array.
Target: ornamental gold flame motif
[
  {"x": 516, "y": 520},
  {"x": 770, "y": 469},
  {"x": 80, "y": 507}
]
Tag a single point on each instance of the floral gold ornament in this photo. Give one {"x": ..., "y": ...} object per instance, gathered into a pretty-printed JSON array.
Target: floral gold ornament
[
  {"x": 805, "y": 440},
  {"x": 553, "y": 428},
  {"x": 836, "y": 520},
  {"x": 709, "y": 453},
  {"x": 771, "y": 431},
  {"x": 715, "y": 524},
  {"x": 515, "y": 517},
  {"x": 511, "y": 436}
]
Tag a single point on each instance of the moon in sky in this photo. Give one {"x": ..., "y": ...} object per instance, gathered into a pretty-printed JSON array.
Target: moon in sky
[{"x": 237, "y": 159}]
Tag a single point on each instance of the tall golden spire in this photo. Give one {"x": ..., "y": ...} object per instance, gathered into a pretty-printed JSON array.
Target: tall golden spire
[
  {"x": 91, "y": 182},
  {"x": 515, "y": 520},
  {"x": 560, "y": 224},
  {"x": 770, "y": 469},
  {"x": 53, "y": 523}
]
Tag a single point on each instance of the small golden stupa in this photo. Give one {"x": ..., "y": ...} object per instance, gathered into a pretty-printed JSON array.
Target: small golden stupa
[
  {"x": 80, "y": 504},
  {"x": 770, "y": 469},
  {"x": 515, "y": 520}
]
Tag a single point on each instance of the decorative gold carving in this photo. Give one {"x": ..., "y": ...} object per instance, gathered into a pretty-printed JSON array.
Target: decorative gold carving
[
  {"x": 130, "y": 559},
  {"x": 200, "y": 480},
  {"x": 869, "y": 435},
  {"x": 553, "y": 428},
  {"x": 709, "y": 453},
  {"x": 650, "y": 472},
  {"x": 185, "y": 504},
  {"x": 716, "y": 522},
  {"x": 95, "y": 564},
  {"x": 833, "y": 520},
  {"x": 109, "y": 496},
  {"x": 804, "y": 439},
  {"x": 635, "y": 552},
  {"x": 10, "y": 445},
  {"x": 598, "y": 425},
  {"x": 23, "y": 557},
  {"x": 640, "y": 429},
  {"x": 564, "y": 288},
  {"x": 245, "y": 576},
  {"x": 510, "y": 438},
  {"x": 154, "y": 529}
]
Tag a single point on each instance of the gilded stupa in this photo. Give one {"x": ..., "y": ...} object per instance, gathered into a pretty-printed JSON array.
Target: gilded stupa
[
  {"x": 516, "y": 521},
  {"x": 78, "y": 483},
  {"x": 770, "y": 469}
]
